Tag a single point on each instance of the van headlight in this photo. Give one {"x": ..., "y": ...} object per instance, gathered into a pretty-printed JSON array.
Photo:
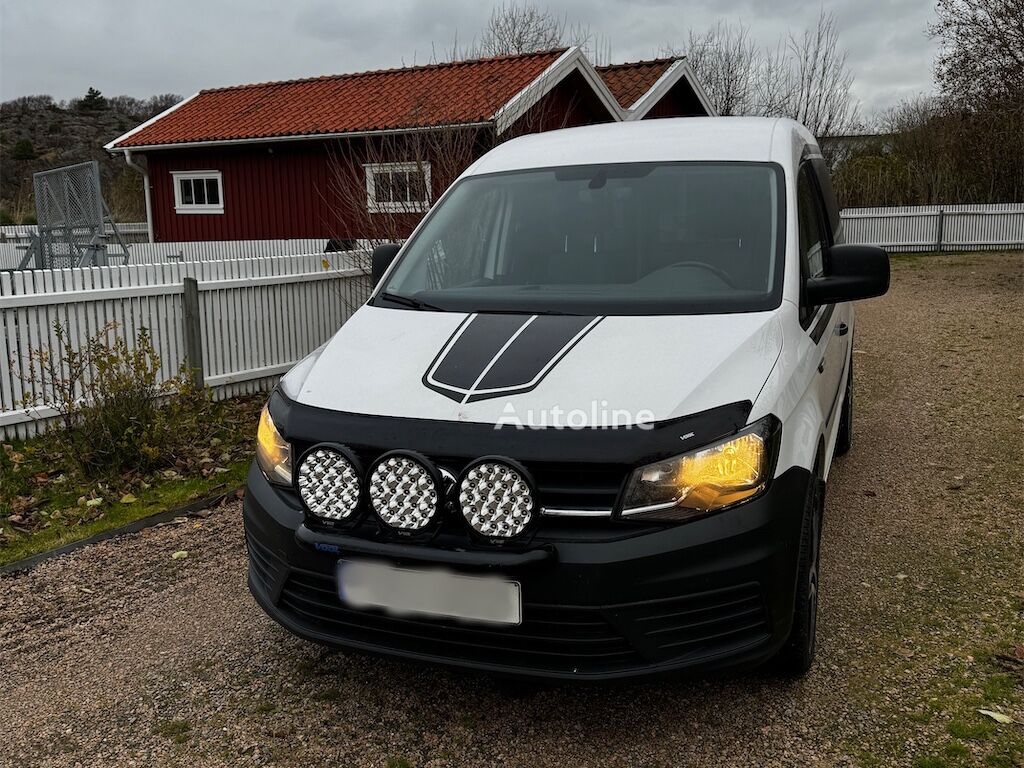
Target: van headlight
[
  {"x": 273, "y": 453},
  {"x": 718, "y": 475}
]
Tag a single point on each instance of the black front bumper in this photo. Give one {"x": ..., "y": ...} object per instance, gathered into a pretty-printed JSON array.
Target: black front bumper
[{"x": 701, "y": 596}]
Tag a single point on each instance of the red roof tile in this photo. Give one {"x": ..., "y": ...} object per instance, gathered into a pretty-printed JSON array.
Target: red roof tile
[
  {"x": 413, "y": 97},
  {"x": 628, "y": 82}
]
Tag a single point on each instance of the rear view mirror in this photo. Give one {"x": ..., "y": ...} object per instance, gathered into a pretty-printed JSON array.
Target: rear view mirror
[
  {"x": 382, "y": 257},
  {"x": 854, "y": 272}
]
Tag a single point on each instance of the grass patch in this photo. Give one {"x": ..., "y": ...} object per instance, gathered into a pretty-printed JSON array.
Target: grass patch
[
  {"x": 999, "y": 761},
  {"x": 175, "y": 730},
  {"x": 998, "y": 687},
  {"x": 330, "y": 694},
  {"x": 975, "y": 730},
  {"x": 47, "y": 502},
  {"x": 956, "y": 750}
]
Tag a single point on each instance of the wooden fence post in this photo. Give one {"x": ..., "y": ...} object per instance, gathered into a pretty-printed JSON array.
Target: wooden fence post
[{"x": 193, "y": 332}]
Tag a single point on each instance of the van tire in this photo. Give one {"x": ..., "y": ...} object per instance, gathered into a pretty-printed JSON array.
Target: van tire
[
  {"x": 844, "y": 440},
  {"x": 797, "y": 655}
]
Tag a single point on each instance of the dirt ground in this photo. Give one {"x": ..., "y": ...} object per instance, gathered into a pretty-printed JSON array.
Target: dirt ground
[{"x": 120, "y": 654}]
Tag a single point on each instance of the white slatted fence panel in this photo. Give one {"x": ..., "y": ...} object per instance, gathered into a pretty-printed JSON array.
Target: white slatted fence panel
[
  {"x": 918, "y": 228},
  {"x": 219, "y": 250},
  {"x": 259, "y": 317},
  {"x": 11, "y": 253}
]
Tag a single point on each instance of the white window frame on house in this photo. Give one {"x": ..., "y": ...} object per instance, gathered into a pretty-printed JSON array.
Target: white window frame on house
[
  {"x": 373, "y": 205},
  {"x": 182, "y": 207}
]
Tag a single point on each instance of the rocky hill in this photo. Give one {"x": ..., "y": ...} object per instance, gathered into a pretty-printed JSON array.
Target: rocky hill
[{"x": 37, "y": 133}]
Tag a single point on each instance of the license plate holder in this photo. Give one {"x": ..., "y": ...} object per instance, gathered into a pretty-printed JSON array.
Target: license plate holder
[{"x": 429, "y": 592}]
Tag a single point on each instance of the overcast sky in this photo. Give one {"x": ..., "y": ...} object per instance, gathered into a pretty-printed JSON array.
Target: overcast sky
[{"x": 142, "y": 47}]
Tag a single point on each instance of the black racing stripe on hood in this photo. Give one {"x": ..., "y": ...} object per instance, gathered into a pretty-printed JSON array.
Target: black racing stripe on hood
[
  {"x": 499, "y": 355},
  {"x": 480, "y": 338},
  {"x": 543, "y": 342}
]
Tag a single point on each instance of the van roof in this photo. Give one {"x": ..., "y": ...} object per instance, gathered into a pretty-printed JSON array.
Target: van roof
[{"x": 749, "y": 139}]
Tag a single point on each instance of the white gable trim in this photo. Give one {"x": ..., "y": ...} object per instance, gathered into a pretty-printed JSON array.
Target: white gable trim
[
  {"x": 112, "y": 146},
  {"x": 571, "y": 61},
  {"x": 679, "y": 69}
]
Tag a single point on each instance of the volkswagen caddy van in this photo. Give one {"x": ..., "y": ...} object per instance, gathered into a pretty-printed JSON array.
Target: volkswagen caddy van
[{"x": 583, "y": 426}]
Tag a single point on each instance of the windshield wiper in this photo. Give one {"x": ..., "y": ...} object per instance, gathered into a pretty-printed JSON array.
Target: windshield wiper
[{"x": 407, "y": 301}]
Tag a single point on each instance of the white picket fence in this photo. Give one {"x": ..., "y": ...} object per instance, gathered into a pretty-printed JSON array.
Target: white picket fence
[
  {"x": 25, "y": 231},
  {"x": 937, "y": 227},
  {"x": 12, "y": 253},
  {"x": 258, "y": 317},
  {"x": 901, "y": 228}
]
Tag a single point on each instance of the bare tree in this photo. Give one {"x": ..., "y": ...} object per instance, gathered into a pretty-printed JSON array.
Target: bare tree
[
  {"x": 515, "y": 28},
  {"x": 773, "y": 86},
  {"x": 728, "y": 65},
  {"x": 520, "y": 26},
  {"x": 821, "y": 96},
  {"x": 429, "y": 159},
  {"x": 964, "y": 145},
  {"x": 982, "y": 57},
  {"x": 804, "y": 77}
]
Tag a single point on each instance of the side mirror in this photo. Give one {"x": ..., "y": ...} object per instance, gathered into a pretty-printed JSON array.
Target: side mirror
[
  {"x": 854, "y": 272},
  {"x": 382, "y": 257}
]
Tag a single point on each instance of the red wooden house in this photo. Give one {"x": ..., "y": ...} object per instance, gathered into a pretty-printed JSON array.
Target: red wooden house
[{"x": 262, "y": 161}]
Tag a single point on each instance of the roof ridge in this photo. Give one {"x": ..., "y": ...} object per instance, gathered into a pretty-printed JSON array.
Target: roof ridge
[
  {"x": 660, "y": 60},
  {"x": 389, "y": 70}
]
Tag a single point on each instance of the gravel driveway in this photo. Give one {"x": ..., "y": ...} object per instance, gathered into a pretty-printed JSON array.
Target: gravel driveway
[{"x": 120, "y": 654}]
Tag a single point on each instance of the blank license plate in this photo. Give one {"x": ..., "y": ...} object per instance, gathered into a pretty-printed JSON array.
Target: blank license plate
[{"x": 429, "y": 592}]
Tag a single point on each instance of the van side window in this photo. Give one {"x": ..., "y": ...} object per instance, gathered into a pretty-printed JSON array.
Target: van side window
[{"x": 813, "y": 241}]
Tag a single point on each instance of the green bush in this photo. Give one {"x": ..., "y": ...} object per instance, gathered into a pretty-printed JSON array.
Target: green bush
[
  {"x": 23, "y": 150},
  {"x": 116, "y": 416}
]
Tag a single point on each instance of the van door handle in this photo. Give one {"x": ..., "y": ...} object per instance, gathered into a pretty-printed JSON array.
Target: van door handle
[{"x": 842, "y": 329}]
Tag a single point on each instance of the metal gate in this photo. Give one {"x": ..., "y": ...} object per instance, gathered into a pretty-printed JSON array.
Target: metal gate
[{"x": 72, "y": 219}]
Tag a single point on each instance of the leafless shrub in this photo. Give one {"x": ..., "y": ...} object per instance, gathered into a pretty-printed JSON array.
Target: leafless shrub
[{"x": 965, "y": 144}]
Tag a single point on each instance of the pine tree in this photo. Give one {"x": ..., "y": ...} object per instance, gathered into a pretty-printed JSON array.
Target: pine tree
[{"x": 92, "y": 101}]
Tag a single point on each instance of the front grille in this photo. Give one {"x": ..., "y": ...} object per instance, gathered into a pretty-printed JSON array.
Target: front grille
[
  {"x": 262, "y": 564},
  {"x": 578, "y": 486},
  {"x": 552, "y": 638},
  {"x": 698, "y": 624}
]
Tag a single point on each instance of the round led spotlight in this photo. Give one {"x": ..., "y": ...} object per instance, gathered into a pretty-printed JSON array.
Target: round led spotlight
[
  {"x": 497, "y": 498},
  {"x": 405, "y": 491},
  {"x": 330, "y": 483}
]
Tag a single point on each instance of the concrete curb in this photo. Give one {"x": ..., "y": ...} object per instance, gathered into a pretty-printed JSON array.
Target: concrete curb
[{"x": 189, "y": 510}]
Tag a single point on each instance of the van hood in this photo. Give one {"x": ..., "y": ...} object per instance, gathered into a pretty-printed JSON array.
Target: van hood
[{"x": 539, "y": 370}]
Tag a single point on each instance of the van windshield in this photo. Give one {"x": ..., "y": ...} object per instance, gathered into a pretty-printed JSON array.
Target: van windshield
[{"x": 632, "y": 238}]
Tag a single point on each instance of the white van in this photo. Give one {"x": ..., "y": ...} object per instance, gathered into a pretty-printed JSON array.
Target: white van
[{"x": 582, "y": 428}]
